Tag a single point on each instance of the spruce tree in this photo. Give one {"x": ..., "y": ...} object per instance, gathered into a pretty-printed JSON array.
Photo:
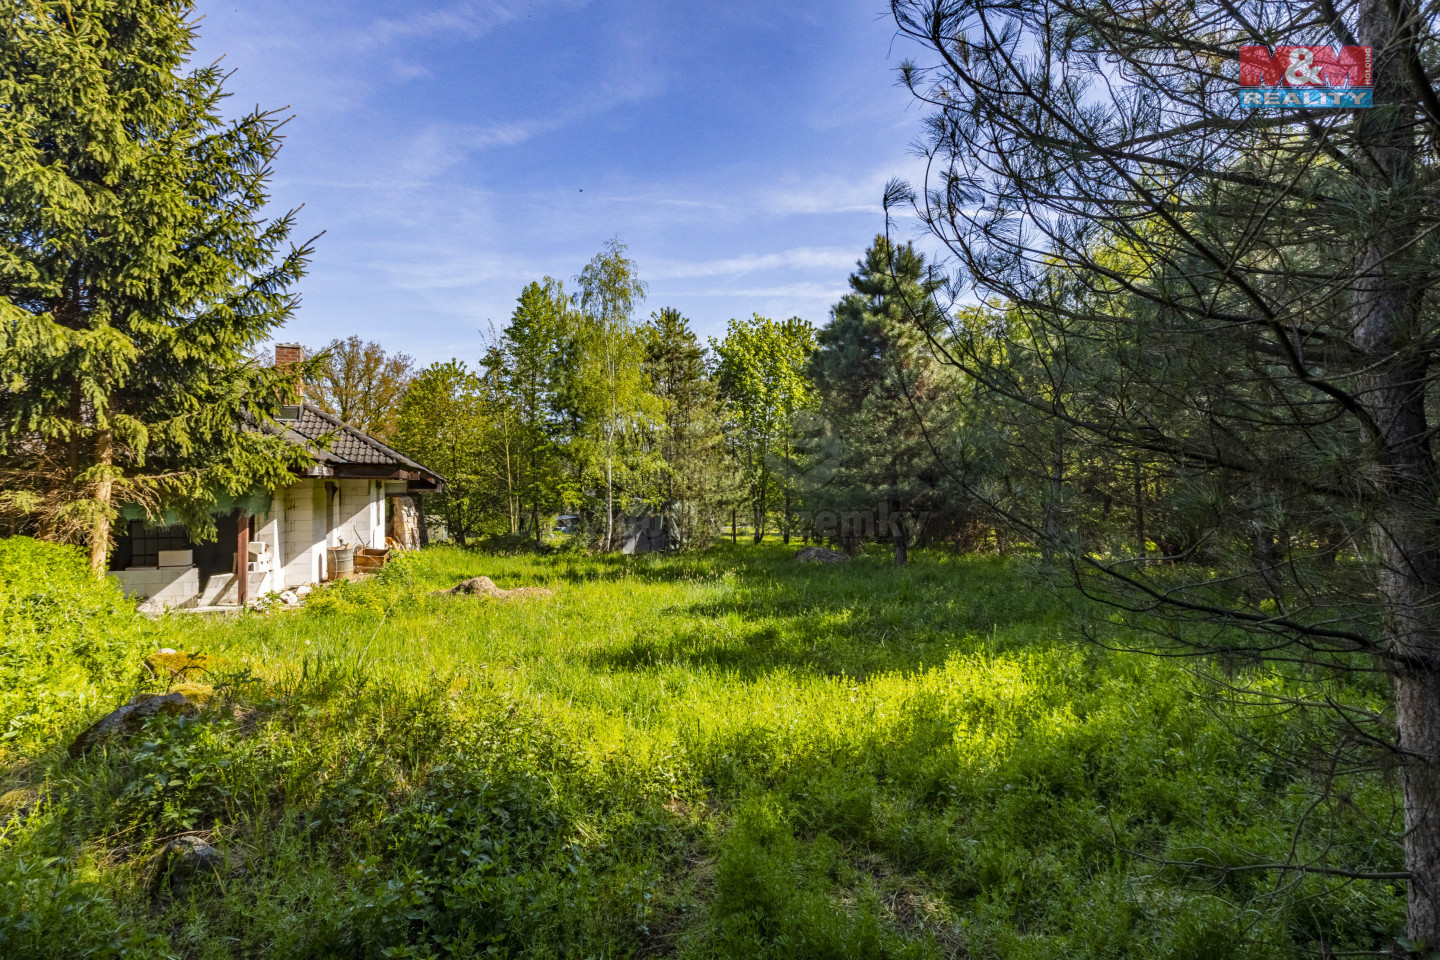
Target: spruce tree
[
  {"x": 137, "y": 273},
  {"x": 530, "y": 347},
  {"x": 884, "y": 397}
]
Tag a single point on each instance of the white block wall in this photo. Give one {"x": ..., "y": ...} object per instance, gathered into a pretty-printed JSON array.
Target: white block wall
[
  {"x": 360, "y": 514},
  {"x": 172, "y": 586},
  {"x": 301, "y": 515},
  {"x": 313, "y": 514}
]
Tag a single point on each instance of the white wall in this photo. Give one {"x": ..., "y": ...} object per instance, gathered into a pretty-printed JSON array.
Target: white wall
[
  {"x": 315, "y": 514},
  {"x": 301, "y": 512},
  {"x": 172, "y": 586},
  {"x": 359, "y": 514}
]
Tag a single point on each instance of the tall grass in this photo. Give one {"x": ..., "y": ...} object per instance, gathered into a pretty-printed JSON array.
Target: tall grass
[{"x": 718, "y": 755}]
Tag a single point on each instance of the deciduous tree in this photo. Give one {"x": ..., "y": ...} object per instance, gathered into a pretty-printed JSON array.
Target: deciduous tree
[
  {"x": 761, "y": 375},
  {"x": 608, "y": 385},
  {"x": 362, "y": 384},
  {"x": 444, "y": 423}
]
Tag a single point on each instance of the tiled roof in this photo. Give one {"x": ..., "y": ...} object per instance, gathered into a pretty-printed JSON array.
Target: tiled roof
[{"x": 334, "y": 441}]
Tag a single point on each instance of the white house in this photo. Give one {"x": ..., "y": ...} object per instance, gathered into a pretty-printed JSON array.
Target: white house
[{"x": 357, "y": 492}]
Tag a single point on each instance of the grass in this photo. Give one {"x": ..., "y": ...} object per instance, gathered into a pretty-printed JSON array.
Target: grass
[{"x": 716, "y": 755}]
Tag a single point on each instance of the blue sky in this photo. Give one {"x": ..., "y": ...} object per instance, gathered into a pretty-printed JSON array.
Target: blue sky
[{"x": 454, "y": 150}]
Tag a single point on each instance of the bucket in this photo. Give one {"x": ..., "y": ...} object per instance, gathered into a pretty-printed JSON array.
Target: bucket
[{"x": 341, "y": 562}]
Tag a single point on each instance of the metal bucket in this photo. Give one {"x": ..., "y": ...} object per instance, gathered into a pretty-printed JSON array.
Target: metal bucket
[{"x": 341, "y": 562}]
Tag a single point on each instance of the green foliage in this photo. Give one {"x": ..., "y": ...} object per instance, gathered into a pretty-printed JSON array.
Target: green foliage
[
  {"x": 46, "y": 911},
  {"x": 444, "y": 423},
  {"x": 761, "y": 375},
  {"x": 361, "y": 384},
  {"x": 138, "y": 273},
  {"x": 692, "y": 485},
  {"x": 527, "y": 371},
  {"x": 68, "y": 643},
  {"x": 885, "y": 402},
  {"x": 607, "y": 396},
  {"x": 704, "y": 755}
]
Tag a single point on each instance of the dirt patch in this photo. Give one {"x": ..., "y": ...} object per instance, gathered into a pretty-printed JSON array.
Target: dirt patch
[
  {"x": 484, "y": 586},
  {"x": 820, "y": 555}
]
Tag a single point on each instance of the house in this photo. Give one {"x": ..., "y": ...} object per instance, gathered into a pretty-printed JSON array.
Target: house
[{"x": 355, "y": 493}]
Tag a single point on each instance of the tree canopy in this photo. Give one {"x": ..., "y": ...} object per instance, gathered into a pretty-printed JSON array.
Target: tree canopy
[{"x": 138, "y": 273}]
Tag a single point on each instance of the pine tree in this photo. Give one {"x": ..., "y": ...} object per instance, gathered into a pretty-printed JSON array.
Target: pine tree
[
  {"x": 1244, "y": 300},
  {"x": 689, "y": 436},
  {"x": 531, "y": 347},
  {"x": 137, "y": 272}
]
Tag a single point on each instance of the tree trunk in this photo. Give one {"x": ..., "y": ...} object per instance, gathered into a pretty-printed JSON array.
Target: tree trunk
[
  {"x": 1141, "y": 541},
  {"x": 1050, "y": 522},
  {"x": 1386, "y": 308},
  {"x": 104, "y": 487}
]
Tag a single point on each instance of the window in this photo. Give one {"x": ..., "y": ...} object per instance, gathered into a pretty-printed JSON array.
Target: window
[{"x": 146, "y": 543}]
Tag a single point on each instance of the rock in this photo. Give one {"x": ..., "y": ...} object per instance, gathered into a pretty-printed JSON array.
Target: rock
[
  {"x": 486, "y": 587},
  {"x": 18, "y": 803},
  {"x": 167, "y": 650},
  {"x": 170, "y": 664},
  {"x": 183, "y": 861},
  {"x": 290, "y": 598},
  {"x": 129, "y": 719},
  {"x": 820, "y": 555},
  {"x": 304, "y": 590},
  {"x": 150, "y": 607}
]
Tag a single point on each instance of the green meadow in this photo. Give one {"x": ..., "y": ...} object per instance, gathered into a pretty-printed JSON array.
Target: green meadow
[{"x": 724, "y": 754}]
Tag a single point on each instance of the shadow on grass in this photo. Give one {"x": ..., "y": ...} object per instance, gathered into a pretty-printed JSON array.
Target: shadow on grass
[{"x": 853, "y": 620}]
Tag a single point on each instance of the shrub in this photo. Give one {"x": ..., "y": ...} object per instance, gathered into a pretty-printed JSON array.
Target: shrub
[{"x": 68, "y": 642}]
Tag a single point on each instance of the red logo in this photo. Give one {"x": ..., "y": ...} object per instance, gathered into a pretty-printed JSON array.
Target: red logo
[{"x": 1306, "y": 67}]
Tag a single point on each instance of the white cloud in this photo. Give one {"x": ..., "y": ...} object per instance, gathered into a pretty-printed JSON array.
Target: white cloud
[
  {"x": 797, "y": 258},
  {"x": 468, "y": 20}
]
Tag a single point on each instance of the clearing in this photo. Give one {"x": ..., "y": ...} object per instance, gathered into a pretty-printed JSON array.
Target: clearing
[{"x": 727, "y": 754}]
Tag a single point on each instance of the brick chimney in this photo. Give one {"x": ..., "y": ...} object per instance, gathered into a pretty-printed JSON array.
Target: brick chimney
[{"x": 288, "y": 354}]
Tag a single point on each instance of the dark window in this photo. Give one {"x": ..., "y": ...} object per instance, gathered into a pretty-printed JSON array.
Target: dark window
[{"x": 146, "y": 543}]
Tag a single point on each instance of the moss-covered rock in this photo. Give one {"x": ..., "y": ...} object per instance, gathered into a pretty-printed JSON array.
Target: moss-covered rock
[
  {"x": 18, "y": 803},
  {"x": 129, "y": 719}
]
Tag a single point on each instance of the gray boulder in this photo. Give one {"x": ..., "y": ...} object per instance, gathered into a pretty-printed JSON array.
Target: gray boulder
[
  {"x": 182, "y": 862},
  {"x": 129, "y": 719}
]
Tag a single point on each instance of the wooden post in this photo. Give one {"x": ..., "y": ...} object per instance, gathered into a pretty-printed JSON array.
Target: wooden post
[
  {"x": 242, "y": 556},
  {"x": 734, "y": 535}
]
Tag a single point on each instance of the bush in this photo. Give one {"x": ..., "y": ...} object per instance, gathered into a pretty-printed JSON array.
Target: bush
[{"x": 68, "y": 642}]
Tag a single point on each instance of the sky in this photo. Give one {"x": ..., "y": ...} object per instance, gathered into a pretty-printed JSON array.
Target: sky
[{"x": 453, "y": 150}]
